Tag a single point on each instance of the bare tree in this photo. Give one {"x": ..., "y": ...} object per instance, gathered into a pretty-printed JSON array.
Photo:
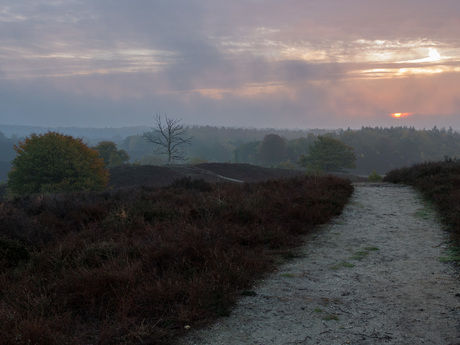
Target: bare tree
[{"x": 169, "y": 137}]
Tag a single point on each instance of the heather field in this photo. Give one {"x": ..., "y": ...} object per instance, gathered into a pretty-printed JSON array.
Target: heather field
[{"x": 137, "y": 265}]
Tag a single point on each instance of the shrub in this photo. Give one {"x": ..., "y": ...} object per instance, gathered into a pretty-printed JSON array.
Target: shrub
[
  {"x": 374, "y": 177},
  {"x": 54, "y": 162}
]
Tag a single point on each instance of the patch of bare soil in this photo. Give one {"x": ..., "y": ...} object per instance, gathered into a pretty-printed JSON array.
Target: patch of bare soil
[{"x": 373, "y": 276}]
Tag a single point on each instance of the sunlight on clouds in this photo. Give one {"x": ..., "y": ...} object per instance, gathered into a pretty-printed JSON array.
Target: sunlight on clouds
[
  {"x": 435, "y": 94},
  {"x": 66, "y": 62},
  {"x": 388, "y": 54},
  {"x": 432, "y": 64},
  {"x": 433, "y": 56},
  {"x": 376, "y": 73},
  {"x": 305, "y": 53},
  {"x": 217, "y": 94},
  {"x": 259, "y": 60},
  {"x": 262, "y": 43},
  {"x": 395, "y": 51},
  {"x": 382, "y": 73},
  {"x": 249, "y": 90},
  {"x": 376, "y": 50},
  {"x": 402, "y": 72}
]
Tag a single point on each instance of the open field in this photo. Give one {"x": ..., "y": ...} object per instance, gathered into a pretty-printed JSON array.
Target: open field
[
  {"x": 137, "y": 264},
  {"x": 160, "y": 176}
]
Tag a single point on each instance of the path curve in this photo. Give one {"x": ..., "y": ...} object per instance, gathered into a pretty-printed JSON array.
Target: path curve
[{"x": 373, "y": 276}]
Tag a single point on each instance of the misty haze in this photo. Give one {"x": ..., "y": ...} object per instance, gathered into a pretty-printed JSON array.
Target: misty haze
[{"x": 189, "y": 172}]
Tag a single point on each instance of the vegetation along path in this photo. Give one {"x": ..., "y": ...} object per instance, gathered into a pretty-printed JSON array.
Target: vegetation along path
[{"x": 375, "y": 275}]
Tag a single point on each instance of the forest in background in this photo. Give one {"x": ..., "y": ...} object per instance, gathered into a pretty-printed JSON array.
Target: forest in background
[{"x": 376, "y": 149}]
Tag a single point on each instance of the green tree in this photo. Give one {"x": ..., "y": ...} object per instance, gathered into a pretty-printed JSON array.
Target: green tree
[
  {"x": 299, "y": 146},
  {"x": 247, "y": 153},
  {"x": 110, "y": 154},
  {"x": 273, "y": 149},
  {"x": 54, "y": 162},
  {"x": 328, "y": 154}
]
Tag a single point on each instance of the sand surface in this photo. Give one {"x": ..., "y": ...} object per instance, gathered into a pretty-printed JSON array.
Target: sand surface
[{"x": 373, "y": 276}]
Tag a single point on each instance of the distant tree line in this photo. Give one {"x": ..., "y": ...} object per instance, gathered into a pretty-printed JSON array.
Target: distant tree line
[
  {"x": 216, "y": 144},
  {"x": 384, "y": 149},
  {"x": 375, "y": 148}
]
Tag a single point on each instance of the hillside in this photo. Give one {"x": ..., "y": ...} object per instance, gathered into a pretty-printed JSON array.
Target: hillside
[
  {"x": 157, "y": 176},
  {"x": 137, "y": 265}
]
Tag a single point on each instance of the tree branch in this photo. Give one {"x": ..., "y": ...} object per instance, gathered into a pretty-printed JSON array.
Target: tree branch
[{"x": 169, "y": 137}]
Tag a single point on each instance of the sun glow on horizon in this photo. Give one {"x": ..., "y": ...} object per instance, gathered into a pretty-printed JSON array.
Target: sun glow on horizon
[{"x": 399, "y": 115}]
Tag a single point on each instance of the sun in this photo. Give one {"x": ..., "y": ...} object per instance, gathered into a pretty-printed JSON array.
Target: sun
[{"x": 399, "y": 115}]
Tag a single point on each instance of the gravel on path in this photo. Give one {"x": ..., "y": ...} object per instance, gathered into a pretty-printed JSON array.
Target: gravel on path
[{"x": 372, "y": 276}]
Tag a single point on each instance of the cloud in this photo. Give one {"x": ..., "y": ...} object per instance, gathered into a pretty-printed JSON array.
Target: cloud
[{"x": 252, "y": 62}]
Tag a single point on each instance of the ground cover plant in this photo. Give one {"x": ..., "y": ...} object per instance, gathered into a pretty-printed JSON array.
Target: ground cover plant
[
  {"x": 439, "y": 182},
  {"x": 140, "y": 265}
]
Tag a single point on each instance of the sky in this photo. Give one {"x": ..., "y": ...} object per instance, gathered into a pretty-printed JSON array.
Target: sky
[{"x": 243, "y": 63}]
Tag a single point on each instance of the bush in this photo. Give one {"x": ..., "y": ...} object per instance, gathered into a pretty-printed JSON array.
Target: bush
[
  {"x": 53, "y": 162},
  {"x": 374, "y": 177}
]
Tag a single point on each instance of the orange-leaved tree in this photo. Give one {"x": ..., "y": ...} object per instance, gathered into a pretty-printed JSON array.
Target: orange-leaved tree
[{"x": 54, "y": 162}]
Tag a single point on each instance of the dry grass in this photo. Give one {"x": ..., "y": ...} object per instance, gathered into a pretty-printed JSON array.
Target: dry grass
[{"x": 135, "y": 266}]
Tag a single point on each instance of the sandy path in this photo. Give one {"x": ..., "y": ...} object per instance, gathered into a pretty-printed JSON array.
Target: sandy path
[{"x": 371, "y": 277}]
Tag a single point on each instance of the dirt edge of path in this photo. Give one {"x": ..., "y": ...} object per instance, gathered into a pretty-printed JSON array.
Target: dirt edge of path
[{"x": 373, "y": 276}]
